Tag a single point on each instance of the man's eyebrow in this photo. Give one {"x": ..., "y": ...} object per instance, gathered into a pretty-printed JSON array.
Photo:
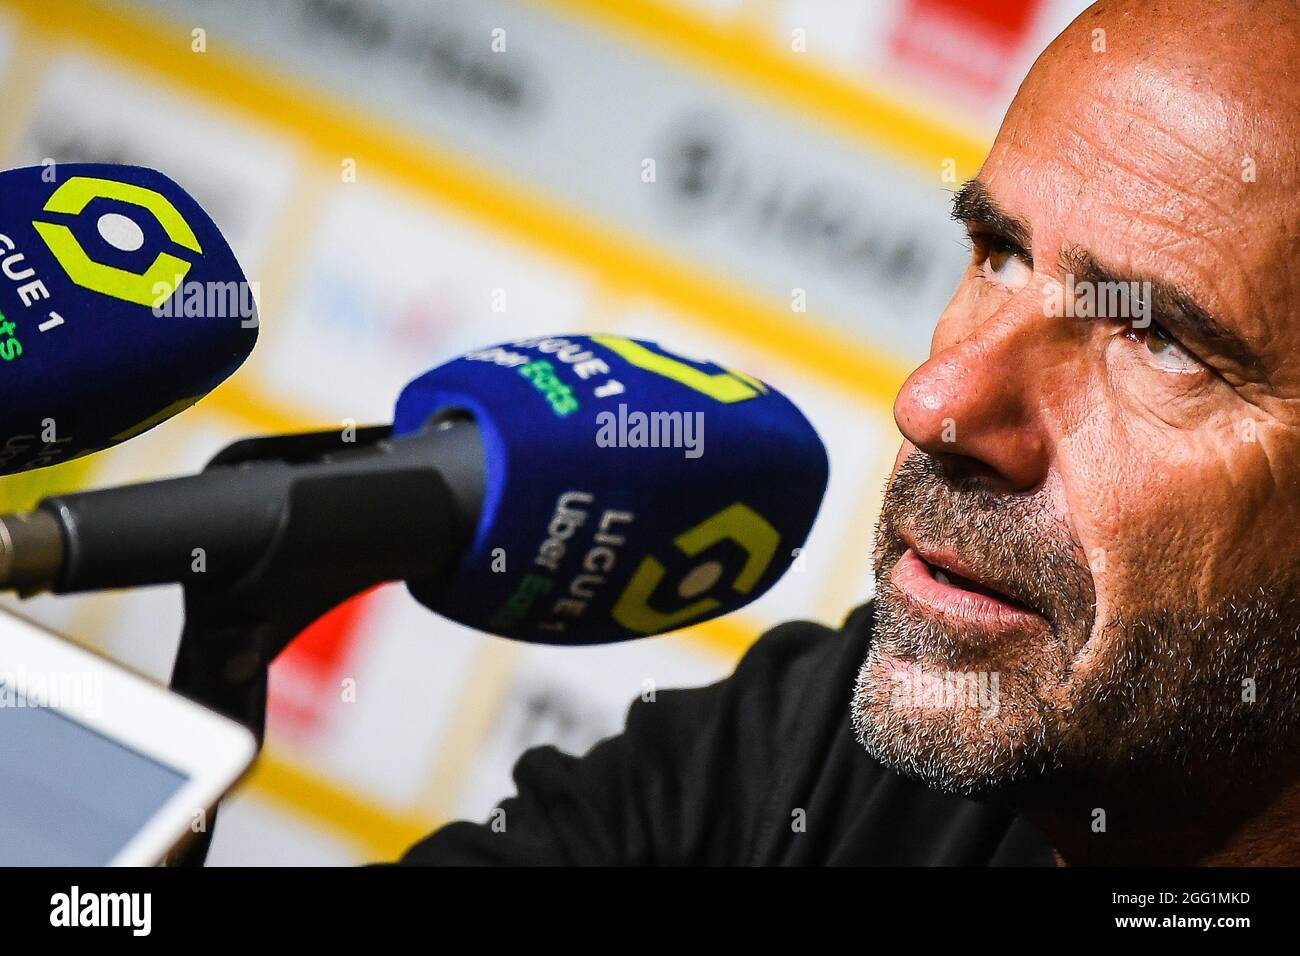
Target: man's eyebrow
[
  {"x": 973, "y": 204},
  {"x": 1172, "y": 308}
]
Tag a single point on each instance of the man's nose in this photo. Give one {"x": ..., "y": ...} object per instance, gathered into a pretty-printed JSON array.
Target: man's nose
[{"x": 975, "y": 405}]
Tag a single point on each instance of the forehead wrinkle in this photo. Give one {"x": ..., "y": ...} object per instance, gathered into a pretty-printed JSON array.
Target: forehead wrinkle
[
  {"x": 1166, "y": 236},
  {"x": 1109, "y": 107},
  {"x": 1140, "y": 173}
]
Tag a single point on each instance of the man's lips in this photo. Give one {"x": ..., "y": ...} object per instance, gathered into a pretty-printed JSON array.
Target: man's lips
[{"x": 941, "y": 584}]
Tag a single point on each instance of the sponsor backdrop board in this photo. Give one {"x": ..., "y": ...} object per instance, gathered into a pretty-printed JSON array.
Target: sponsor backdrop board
[{"x": 761, "y": 182}]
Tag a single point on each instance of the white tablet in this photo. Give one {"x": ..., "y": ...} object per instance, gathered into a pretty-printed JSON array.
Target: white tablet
[{"x": 99, "y": 766}]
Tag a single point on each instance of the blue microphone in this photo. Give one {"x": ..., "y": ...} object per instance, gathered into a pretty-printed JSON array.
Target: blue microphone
[
  {"x": 629, "y": 491},
  {"x": 564, "y": 490},
  {"x": 121, "y": 304}
]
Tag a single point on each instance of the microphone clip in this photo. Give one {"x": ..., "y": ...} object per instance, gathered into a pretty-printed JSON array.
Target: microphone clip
[{"x": 235, "y": 628}]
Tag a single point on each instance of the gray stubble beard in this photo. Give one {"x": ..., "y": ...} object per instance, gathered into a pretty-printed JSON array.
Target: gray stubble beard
[
  {"x": 1162, "y": 712},
  {"x": 1153, "y": 706}
]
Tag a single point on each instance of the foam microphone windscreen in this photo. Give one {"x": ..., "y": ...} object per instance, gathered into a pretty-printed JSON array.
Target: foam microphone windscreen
[
  {"x": 629, "y": 490},
  {"x": 120, "y": 305}
]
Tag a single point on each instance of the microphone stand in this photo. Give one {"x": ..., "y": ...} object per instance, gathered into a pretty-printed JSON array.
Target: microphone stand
[{"x": 376, "y": 524}]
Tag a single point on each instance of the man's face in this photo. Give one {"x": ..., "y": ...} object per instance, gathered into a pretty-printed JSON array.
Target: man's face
[{"x": 1088, "y": 562}]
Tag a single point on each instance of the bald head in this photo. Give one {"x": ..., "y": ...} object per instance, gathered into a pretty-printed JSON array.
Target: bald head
[
  {"x": 1209, "y": 37},
  {"x": 1223, "y": 73}
]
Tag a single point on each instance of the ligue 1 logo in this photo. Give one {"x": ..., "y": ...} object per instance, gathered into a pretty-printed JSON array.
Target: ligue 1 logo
[
  {"x": 737, "y": 523},
  {"x": 122, "y": 233}
]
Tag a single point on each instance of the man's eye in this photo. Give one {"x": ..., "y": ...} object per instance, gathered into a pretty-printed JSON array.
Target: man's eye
[
  {"x": 1005, "y": 265},
  {"x": 1167, "y": 354}
]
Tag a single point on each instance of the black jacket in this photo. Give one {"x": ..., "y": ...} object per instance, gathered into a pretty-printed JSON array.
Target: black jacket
[{"x": 761, "y": 768}]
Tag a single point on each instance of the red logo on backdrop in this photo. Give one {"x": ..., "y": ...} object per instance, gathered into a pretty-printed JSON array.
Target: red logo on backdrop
[
  {"x": 306, "y": 680},
  {"x": 966, "y": 43}
]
